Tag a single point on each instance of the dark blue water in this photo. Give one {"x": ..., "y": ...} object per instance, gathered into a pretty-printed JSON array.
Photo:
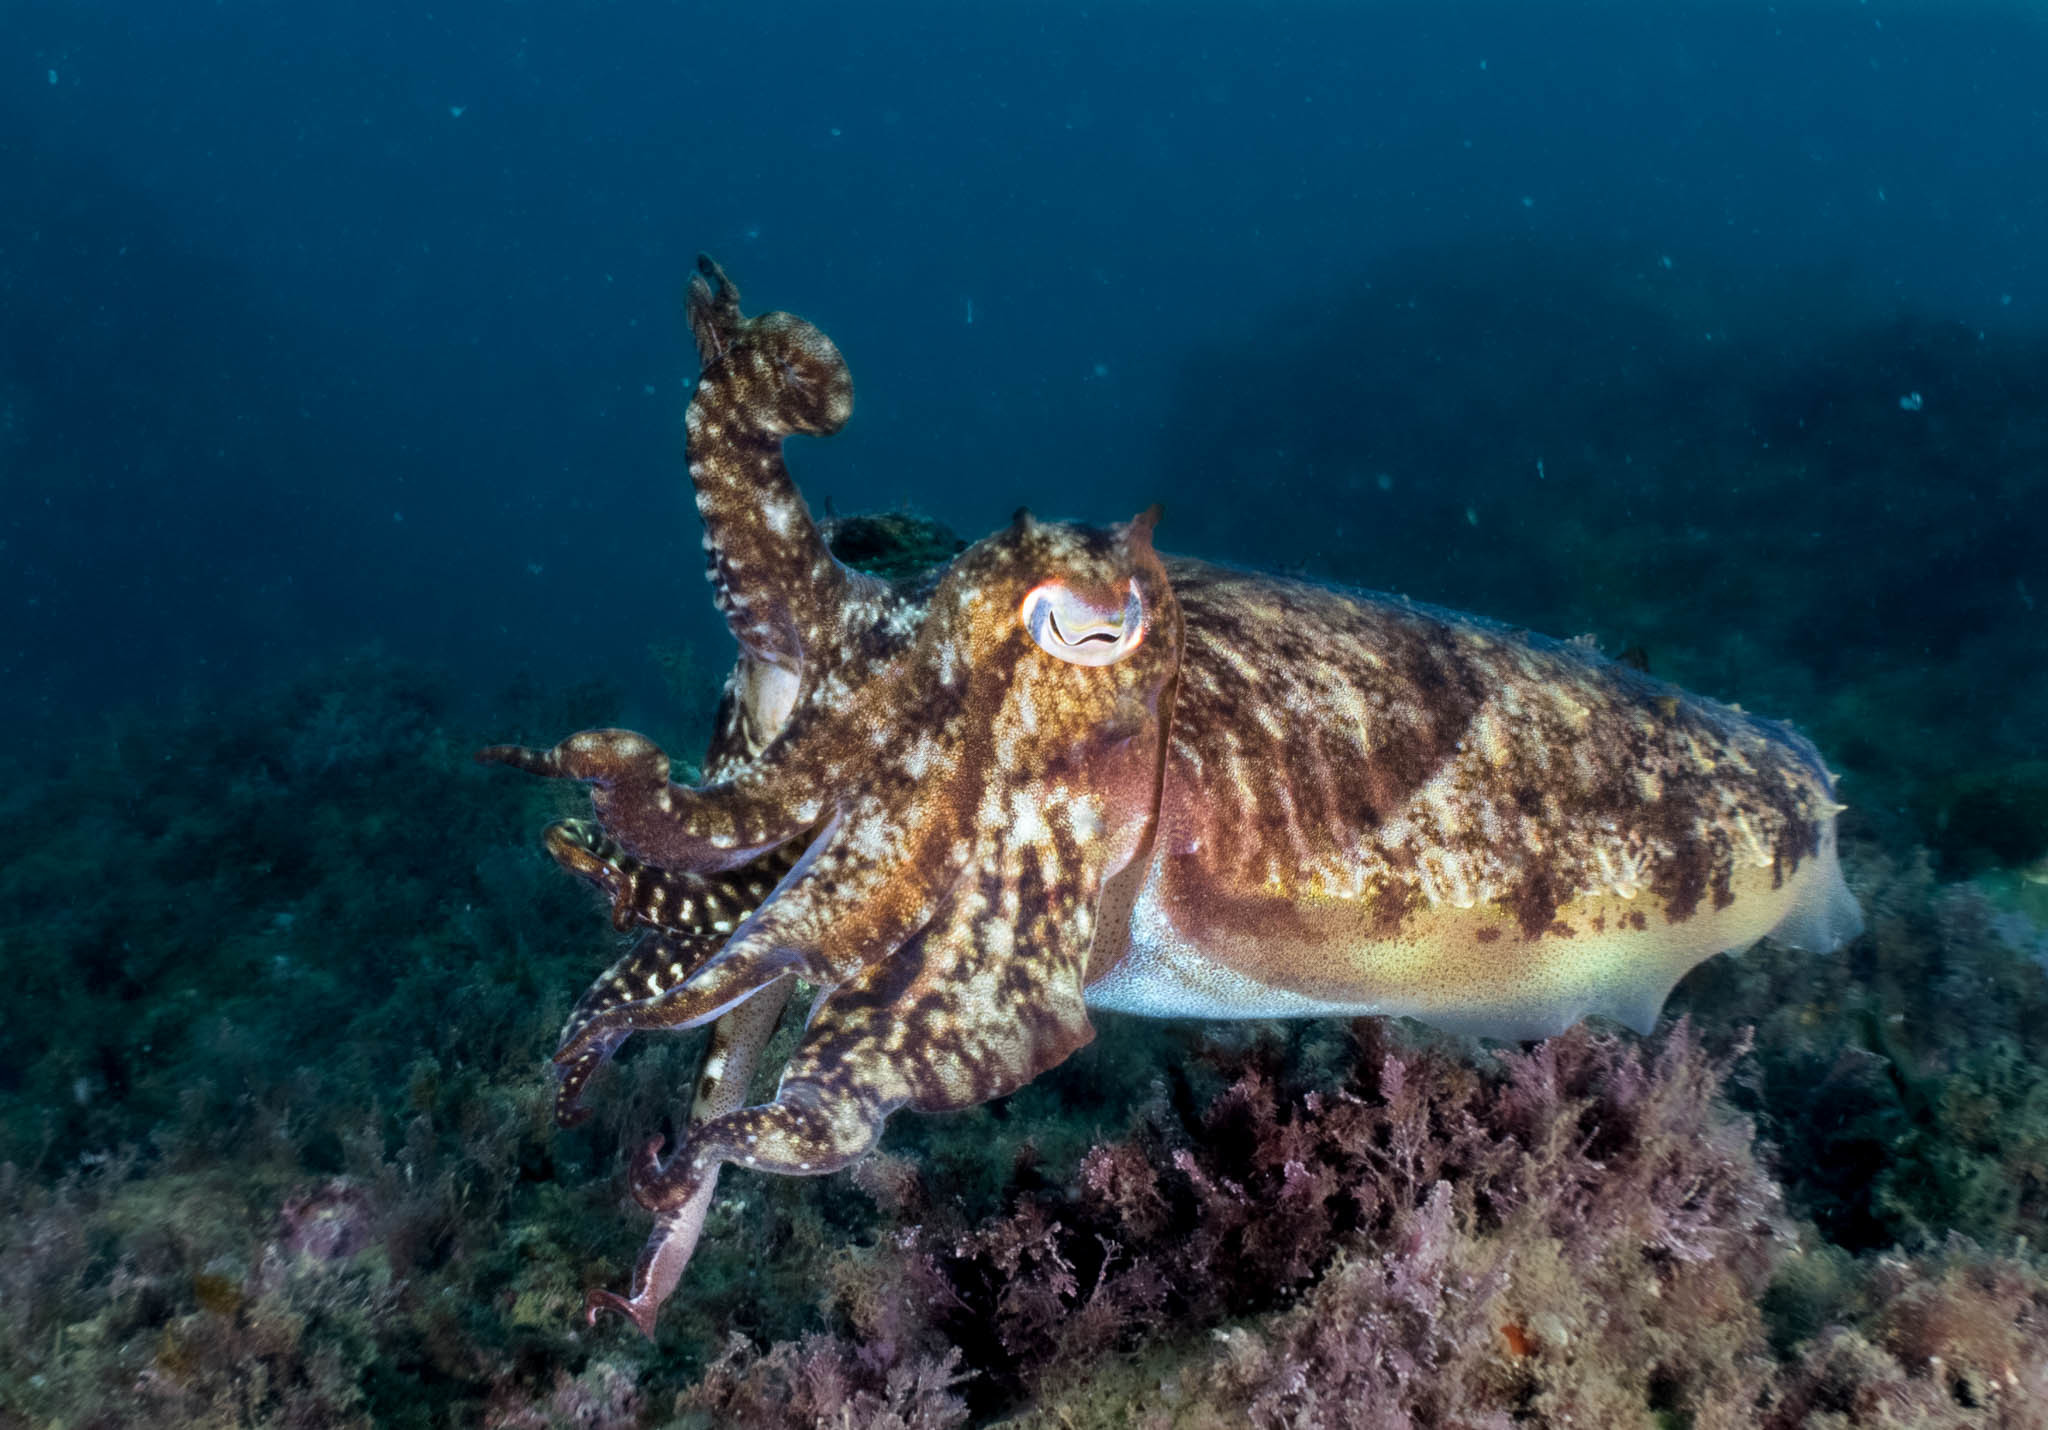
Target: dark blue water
[{"x": 323, "y": 324}]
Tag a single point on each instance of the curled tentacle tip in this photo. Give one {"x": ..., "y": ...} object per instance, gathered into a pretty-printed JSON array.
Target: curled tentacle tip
[{"x": 596, "y": 1302}]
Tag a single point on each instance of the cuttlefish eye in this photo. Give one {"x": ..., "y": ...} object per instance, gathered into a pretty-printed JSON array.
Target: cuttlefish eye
[{"x": 1076, "y": 630}]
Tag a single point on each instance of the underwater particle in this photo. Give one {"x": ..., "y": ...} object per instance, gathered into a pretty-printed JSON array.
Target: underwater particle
[
  {"x": 1911, "y": 402},
  {"x": 1102, "y": 369},
  {"x": 398, "y": 516},
  {"x": 53, "y": 76},
  {"x": 2005, "y": 300},
  {"x": 1471, "y": 516},
  {"x": 455, "y": 110},
  {"x": 1528, "y": 201},
  {"x": 1664, "y": 261},
  {"x": 1384, "y": 481}
]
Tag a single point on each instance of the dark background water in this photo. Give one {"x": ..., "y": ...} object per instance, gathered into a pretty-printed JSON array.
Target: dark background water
[{"x": 326, "y": 323}]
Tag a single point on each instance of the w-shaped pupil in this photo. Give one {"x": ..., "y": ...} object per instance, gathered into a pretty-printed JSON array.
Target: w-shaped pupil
[{"x": 1107, "y": 637}]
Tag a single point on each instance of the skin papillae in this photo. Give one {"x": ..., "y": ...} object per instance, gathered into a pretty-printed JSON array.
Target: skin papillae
[{"x": 1073, "y": 773}]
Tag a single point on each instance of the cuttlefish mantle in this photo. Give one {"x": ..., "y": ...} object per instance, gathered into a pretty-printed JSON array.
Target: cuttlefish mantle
[{"x": 1071, "y": 773}]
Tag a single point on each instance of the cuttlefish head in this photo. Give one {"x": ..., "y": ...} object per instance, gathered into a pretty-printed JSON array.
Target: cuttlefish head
[
  {"x": 1038, "y": 684},
  {"x": 1068, "y": 636}
]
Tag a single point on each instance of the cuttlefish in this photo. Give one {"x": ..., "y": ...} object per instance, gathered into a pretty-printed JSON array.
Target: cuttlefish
[{"x": 1068, "y": 772}]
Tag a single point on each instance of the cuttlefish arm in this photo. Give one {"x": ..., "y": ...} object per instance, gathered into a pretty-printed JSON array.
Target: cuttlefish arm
[
  {"x": 806, "y": 626},
  {"x": 672, "y": 900},
  {"x": 963, "y": 1013},
  {"x": 874, "y": 875},
  {"x": 795, "y": 612},
  {"x": 1038, "y": 765},
  {"x": 703, "y": 828},
  {"x": 889, "y": 846},
  {"x": 687, "y": 918},
  {"x": 793, "y": 608},
  {"x": 765, "y": 378},
  {"x": 809, "y": 631},
  {"x": 737, "y": 1041}
]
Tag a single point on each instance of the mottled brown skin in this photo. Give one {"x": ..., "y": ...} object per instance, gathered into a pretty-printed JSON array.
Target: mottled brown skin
[
  {"x": 1376, "y": 806},
  {"x": 1073, "y": 774}
]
